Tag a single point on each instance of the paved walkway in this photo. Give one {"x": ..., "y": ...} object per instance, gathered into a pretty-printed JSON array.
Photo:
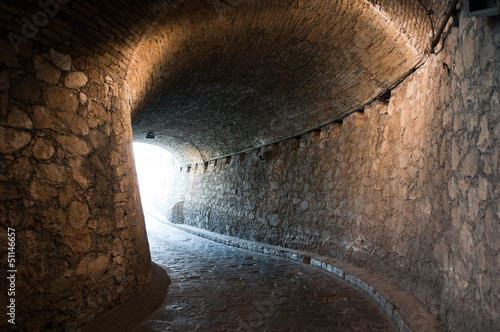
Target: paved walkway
[{"x": 220, "y": 288}]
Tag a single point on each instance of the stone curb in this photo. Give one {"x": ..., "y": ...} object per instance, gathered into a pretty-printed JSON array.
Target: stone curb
[{"x": 407, "y": 313}]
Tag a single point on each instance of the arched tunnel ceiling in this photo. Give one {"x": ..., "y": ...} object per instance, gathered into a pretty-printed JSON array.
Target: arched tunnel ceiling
[{"x": 215, "y": 78}]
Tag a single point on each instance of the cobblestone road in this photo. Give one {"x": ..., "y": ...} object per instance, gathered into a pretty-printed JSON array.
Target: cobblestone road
[{"x": 220, "y": 288}]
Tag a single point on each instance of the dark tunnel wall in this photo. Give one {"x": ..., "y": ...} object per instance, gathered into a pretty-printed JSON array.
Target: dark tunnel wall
[
  {"x": 69, "y": 189},
  {"x": 67, "y": 177}
]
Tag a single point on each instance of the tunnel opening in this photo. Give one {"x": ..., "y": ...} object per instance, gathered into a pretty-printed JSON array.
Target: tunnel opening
[{"x": 156, "y": 170}]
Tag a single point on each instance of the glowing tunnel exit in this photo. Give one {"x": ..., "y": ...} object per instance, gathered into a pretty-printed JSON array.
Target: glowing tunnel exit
[{"x": 156, "y": 171}]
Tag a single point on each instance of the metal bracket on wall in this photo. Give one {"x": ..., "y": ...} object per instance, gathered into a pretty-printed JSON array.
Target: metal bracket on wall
[{"x": 482, "y": 8}]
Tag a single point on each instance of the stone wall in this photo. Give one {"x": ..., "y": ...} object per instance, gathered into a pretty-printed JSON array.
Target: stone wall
[
  {"x": 68, "y": 188},
  {"x": 407, "y": 189},
  {"x": 67, "y": 176}
]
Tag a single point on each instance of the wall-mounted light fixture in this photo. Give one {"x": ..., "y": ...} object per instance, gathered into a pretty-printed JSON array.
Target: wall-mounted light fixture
[
  {"x": 150, "y": 135},
  {"x": 481, "y": 7}
]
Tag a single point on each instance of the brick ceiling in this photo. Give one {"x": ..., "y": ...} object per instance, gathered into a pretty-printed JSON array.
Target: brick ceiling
[{"x": 237, "y": 75}]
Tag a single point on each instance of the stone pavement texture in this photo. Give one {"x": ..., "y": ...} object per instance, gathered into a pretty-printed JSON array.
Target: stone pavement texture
[{"x": 220, "y": 288}]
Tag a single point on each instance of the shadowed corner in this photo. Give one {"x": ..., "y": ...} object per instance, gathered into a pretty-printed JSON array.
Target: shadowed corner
[{"x": 131, "y": 314}]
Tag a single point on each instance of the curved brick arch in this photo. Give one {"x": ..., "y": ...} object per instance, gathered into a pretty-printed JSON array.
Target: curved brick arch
[{"x": 259, "y": 72}]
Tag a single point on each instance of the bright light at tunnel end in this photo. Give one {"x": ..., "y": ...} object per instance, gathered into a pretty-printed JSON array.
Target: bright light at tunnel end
[{"x": 156, "y": 168}]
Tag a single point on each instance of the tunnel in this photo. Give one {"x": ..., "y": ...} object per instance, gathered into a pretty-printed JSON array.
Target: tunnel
[{"x": 365, "y": 132}]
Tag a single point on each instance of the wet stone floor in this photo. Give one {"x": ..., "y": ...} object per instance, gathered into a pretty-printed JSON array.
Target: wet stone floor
[{"x": 221, "y": 288}]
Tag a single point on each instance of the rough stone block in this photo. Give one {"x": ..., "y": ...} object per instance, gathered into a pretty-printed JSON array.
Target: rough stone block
[
  {"x": 61, "y": 99},
  {"x": 79, "y": 172},
  {"x": 83, "y": 98},
  {"x": 61, "y": 60},
  {"x": 78, "y": 214},
  {"x": 76, "y": 80},
  {"x": 19, "y": 119},
  {"x": 78, "y": 240},
  {"x": 120, "y": 197},
  {"x": 42, "y": 192},
  {"x": 12, "y": 140},
  {"x": 45, "y": 71},
  {"x": 471, "y": 163},
  {"x": 73, "y": 145},
  {"x": 468, "y": 50},
  {"x": 388, "y": 309},
  {"x": 54, "y": 172}
]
